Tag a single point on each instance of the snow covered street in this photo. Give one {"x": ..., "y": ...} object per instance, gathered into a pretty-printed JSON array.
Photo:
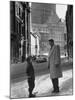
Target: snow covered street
[{"x": 43, "y": 86}]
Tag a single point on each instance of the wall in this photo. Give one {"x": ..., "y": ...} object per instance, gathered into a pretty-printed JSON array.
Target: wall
[{"x": 33, "y": 45}]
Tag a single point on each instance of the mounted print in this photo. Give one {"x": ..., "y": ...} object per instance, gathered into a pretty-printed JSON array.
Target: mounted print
[{"x": 41, "y": 49}]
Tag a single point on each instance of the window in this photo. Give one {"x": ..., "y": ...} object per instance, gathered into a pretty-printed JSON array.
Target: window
[
  {"x": 20, "y": 12},
  {"x": 17, "y": 10},
  {"x": 65, "y": 36}
]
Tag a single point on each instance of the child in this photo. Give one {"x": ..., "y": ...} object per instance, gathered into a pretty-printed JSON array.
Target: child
[{"x": 31, "y": 76}]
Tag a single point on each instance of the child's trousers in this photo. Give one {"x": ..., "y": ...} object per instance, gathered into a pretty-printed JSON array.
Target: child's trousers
[{"x": 31, "y": 85}]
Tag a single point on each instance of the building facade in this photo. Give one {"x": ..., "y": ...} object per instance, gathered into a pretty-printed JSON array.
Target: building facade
[
  {"x": 69, "y": 26},
  {"x": 19, "y": 30},
  {"x": 46, "y": 22}
]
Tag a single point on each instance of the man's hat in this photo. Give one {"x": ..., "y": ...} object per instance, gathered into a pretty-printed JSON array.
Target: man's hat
[{"x": 51, "y": 40}]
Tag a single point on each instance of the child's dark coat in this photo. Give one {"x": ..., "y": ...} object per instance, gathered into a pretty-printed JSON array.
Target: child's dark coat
[{"x": 31, "y": 76}]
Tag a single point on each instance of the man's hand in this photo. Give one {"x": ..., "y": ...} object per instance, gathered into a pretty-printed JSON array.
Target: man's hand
[
  {"x": 48, "y": 66},
  {"x": 57, "y": 65}
]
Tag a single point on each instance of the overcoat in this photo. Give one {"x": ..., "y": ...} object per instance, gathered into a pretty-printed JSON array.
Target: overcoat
[{"x": 54, "y": 58}]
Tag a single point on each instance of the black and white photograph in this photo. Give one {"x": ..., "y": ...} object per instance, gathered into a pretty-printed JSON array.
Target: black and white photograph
[{"x": 41, "y": 49}]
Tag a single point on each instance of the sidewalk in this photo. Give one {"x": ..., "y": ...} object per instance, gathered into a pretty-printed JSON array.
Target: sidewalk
[{"x": 43, "y": 86}]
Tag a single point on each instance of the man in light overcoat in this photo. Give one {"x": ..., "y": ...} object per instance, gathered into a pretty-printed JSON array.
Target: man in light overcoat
[{"x": 54, "y": 65}]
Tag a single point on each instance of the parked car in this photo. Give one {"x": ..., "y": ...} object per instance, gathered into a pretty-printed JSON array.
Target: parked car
[
  {"x": 33, "y": 58},
  {"x": 41, "y": 59}
]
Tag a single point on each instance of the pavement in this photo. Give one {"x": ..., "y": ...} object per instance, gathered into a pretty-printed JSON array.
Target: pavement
[{"x": 43, "y": 85}]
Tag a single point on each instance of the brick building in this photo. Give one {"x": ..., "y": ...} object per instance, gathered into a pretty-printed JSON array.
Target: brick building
[{"x": 19, "y": 30}]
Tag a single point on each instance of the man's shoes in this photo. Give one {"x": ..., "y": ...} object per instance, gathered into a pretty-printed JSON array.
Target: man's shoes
[
  {"x": 55, "y": 91},
  {"x": 32, "y": 95}
]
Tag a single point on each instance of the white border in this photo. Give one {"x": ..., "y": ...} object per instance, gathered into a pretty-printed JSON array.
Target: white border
[
  {"x": 50, "y": 1},
  {"x": 5, "y": 49}
]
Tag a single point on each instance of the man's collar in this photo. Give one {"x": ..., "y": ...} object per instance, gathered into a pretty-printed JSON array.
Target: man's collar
[{"x": 52, "y": 46}]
